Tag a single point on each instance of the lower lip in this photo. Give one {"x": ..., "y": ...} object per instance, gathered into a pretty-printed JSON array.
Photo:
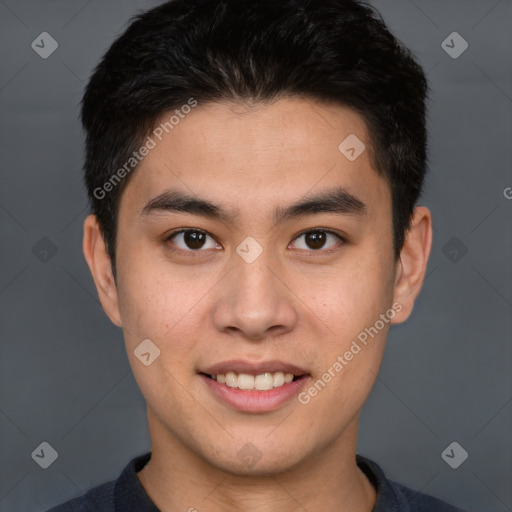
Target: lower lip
[{"x": 255, "y": 401}]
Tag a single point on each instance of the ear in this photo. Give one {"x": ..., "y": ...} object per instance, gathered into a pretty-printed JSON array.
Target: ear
[
  {"x": 412, "y": 263},
  {"x": 96, "y": 255}
]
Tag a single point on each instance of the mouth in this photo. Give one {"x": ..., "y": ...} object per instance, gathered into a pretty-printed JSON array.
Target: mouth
[
  {"x": 259, "y": 382},
  {"x": 254, "y": 387}
]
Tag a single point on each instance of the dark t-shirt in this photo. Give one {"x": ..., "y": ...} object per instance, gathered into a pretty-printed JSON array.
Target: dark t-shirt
[{"x": 126, "y": 494}]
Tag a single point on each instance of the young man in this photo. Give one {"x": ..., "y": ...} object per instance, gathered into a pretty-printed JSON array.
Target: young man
[{"x": 253, "y": 169}]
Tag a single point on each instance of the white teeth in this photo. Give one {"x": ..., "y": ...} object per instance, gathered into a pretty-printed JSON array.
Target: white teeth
[
  {"x": 231, "y": 380},
  {"x": 245, "y": 381},
  {"x": 278, "y": 379},
  {"x": 262, "y": 382}
]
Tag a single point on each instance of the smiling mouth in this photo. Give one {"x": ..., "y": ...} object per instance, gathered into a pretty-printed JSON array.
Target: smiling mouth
[{"x": 261, "y": 382}]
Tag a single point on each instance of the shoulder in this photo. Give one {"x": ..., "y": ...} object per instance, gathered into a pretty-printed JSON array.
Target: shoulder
[
  {"x": 395, "y": 497},
  {"x": 124, "y": 494},
  {"x": 97, "y": 499},
  {"x": 419, "y": 502}
]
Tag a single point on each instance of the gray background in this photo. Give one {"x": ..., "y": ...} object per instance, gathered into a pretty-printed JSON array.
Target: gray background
[{"x": 64, "y": 374}]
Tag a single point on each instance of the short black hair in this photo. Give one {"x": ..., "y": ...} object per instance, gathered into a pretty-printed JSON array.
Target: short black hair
[{"x": 201, "y": 51}]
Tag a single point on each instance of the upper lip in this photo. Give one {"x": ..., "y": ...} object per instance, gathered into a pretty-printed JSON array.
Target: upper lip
[{"x": 249, "y": 368}]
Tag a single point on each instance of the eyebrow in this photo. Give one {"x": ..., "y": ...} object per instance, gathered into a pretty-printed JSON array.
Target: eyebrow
[{"x": 336, "y": 200}]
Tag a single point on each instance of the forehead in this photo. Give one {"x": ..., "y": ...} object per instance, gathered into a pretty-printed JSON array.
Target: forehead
[{"x": 259, "y": 154}]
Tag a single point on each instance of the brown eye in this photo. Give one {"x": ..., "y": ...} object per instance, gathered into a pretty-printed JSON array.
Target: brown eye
[
  {"x": 192, "y": 240},
  {"x": 316, "y": 239}
]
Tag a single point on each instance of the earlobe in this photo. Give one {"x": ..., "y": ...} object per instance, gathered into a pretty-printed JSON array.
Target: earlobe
[
  {"x": 413, "y": 261},
  {"x": 99, "y": 262}
]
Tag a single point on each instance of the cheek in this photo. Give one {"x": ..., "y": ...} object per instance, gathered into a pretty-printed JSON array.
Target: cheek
[
  {"x": 165, "y": 312},
  {"x": 153, "y": 307},
  {"x": 351, "y": 306},
  {"x": 351, "y": 297},
  {"x": 163, "y": 303}
]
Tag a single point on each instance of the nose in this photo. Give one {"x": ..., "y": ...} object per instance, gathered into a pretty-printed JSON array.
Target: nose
[{"x": 254, "y": 300}]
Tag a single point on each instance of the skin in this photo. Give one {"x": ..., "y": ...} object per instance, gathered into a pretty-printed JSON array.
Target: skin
[{"x": 293, "y": 303}]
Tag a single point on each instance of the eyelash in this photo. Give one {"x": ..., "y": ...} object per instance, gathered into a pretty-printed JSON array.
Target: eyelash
[{"x": 312, "y": 253}]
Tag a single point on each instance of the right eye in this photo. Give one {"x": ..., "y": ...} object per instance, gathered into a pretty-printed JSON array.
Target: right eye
[{"x": 191, "y": 240}]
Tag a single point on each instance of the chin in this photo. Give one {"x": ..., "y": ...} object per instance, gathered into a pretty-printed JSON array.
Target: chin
[{"x": 249, "y": 460}]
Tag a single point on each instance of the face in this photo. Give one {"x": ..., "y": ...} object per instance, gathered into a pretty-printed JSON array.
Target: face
[{"x": 258, "y": 275}]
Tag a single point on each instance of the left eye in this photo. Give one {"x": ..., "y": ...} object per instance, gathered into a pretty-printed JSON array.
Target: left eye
[{"x": 316, "y": 239}]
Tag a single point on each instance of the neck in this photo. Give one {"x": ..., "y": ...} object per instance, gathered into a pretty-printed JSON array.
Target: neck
[{"x": 328, "y": 480}]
